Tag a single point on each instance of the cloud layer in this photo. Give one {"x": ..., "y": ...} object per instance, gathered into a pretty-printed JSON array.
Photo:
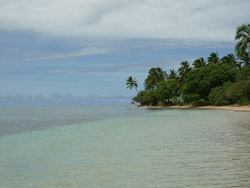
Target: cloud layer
[{"x": 181, "y": 19}]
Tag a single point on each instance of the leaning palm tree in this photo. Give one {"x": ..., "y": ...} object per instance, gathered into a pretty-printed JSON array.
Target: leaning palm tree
[
  {"x": 213, "y": 58},
  {"x": 198, "y": 63},
  {"x": 243, "y": 38},
  {"x": 132, "y": 83}
]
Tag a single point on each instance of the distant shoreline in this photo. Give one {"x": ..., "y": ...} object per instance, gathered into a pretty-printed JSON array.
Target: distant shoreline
[{"x": 243, "y": 108}]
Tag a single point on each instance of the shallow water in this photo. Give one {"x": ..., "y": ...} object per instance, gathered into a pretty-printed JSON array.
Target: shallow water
[{"x": 123, "y": 147}]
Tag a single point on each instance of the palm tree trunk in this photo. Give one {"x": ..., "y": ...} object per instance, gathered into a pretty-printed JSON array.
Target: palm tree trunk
[{"x": 136, "y": 90}]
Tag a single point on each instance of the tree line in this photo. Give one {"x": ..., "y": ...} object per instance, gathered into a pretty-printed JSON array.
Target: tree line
[{"x": 216, "y": 81}]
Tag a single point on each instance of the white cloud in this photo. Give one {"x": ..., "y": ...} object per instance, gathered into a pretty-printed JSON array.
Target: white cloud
[
  {"x": 208, "y": 20},
  {"x": 82, "y": 52}
]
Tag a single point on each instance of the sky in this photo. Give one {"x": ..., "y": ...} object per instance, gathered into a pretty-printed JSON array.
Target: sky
[{"x": 83, "y": 51}]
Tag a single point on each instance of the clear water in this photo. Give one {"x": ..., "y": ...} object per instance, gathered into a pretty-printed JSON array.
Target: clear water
[{"x": 123, "y": 147}]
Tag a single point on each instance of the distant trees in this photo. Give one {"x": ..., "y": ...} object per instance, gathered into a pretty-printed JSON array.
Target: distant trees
[
  {"x": 217, "y": 81},
  {"x": 216, "y": 84},
  {"x": 201, "y": 81}
]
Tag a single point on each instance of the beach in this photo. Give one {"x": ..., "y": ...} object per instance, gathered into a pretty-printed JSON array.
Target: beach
[{"x": 244, "y": 108}]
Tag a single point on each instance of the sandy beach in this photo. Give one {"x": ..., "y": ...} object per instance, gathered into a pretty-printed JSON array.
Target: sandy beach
[{"x": 244, "y": 108}]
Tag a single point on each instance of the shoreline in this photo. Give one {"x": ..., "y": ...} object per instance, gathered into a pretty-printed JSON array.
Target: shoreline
[{"x": 243, "y": 108}]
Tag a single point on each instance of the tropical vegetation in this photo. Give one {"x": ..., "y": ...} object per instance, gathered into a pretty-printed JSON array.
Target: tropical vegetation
[{"x": 215, "y": 80}]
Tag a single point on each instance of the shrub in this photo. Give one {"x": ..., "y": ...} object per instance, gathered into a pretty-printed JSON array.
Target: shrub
[
  {"x": 217, "y": 96},
  {"x": 239, "y": 91},
  {"x": 200, "y": 81},
  {"x": 189, "y": 98},
  {"x": 243, "y": 101},
  {"x": 176, "y": 101},
  {"x": 244, "y": 73},
  {"x": 160, "y": 103},
  {"x": 146, "y": 98}
]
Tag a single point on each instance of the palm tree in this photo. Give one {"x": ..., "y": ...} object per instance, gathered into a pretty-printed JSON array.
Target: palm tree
[
  {"x": 172, "y": 75},
  {"x": 213, "y": 58},
  {"x": 243, "y": 38},
  {"x": 245, "y": 59},
  {"x": 155, "y": 76},
  {"x": 231, "y": 60},
  {"x": 183, "y": 70},
  {"x": 198, "y": 63},
  {"x": 132, "y": 83}
]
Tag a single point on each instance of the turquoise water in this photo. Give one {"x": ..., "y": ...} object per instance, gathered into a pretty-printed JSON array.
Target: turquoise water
[{"x": 123, "y": 147}]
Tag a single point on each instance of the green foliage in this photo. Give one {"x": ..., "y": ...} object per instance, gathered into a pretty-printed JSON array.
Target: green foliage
[
  {"x": 132, "y": 83},
  {"x": 218, "y": 82},
  {"x": 230, "y": 59},
  {"x": 183, "y": 71},
  {"x": 173, "y": 74},
  {"x": 217, "y": 96},
  {"x": 190, "y": 97},
  {"x": 239, "y": 91},
  {"x": 155, "y": 76},
  {"x": 164, "y": 93},
  {"x": 243, "y": 101},
  {"x": 160, "y": 104},
  {"x": 244, "y": 73},
  {"x": 175, "y": 100},
  {"x": 146, "y": 98},
  {"x": 245, "y": 59},
  {"x": 139, "y": 98},
  {"x": 213, "y": 58},
  {"x": 198, "y": 63},
  {"x": 200, "y": 81},
  {"x": 168, "y": 90},
  {"x": 243, "y": 41}
]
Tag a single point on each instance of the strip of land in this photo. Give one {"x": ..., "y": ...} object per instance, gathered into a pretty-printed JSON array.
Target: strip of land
[{"x": 245, "y": 108}]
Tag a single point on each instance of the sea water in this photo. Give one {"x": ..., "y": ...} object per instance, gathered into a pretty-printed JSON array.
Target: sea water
[{"x": 114, "y": 147}]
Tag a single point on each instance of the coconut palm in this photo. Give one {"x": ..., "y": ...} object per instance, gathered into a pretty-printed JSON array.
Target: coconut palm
[
  {"x": 243, "y": 38},
  {"x": 173, "y": 74},
  {"x": 132, "y": 83},
  {"x": 245, "y": 59},
  {"x": 183, "y": 71},
  {"x": 213, "y": 58},
  {"x": 155, "y": 76},
  {"x": 231, "y": 60},
  {"x": 198, "y": 63}
]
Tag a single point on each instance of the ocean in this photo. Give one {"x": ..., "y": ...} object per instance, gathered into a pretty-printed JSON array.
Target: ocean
[{"x": 116, "y": 147}]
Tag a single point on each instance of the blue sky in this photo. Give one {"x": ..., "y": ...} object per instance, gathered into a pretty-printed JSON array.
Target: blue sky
[{"x": 85, "y": 50}]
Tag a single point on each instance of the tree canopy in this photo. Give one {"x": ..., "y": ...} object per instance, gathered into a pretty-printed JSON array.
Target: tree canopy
[
  {"x": 215, "y": 81},
  {"x": 243, "y": 41}
]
